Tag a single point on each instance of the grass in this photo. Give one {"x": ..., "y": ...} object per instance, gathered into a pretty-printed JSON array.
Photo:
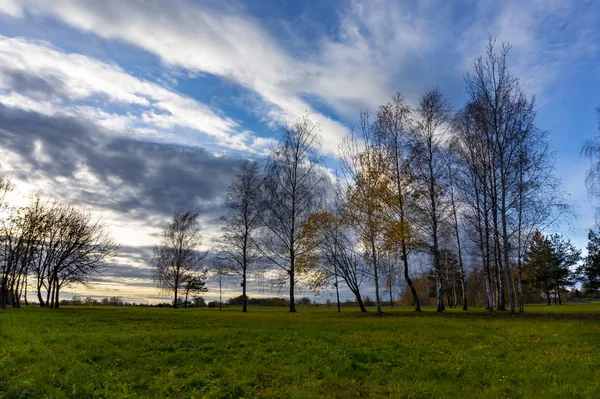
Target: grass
[{"x": 317, "y": 353}]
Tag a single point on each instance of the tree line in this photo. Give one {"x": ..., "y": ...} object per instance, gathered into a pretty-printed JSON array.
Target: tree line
[
  {"x": 452, "y": 193},
  {"x": 426, "y": 199}
]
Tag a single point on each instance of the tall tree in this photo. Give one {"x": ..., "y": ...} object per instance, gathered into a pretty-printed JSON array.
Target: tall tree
[
  {"x": 591, "y": 150},
  {"x": 177, "y": 259},
  {"x": 455, "y": 226},
  {"x": 470, "y": 181},
  {"x": 363, "y": 165},
  {"x": 506, "y": 118},
  {"x": 293, "y": 188},
  {"x": 392, "y": 129},
  {"x": 236, "y": 245},
  {"x": 430, "y": 132}
]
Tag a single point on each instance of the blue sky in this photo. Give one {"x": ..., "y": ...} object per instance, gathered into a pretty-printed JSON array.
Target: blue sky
[{"x": 220, "y": 78}]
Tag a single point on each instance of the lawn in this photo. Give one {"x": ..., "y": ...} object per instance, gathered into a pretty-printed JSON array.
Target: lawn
[{"x": 123, "y": 352}]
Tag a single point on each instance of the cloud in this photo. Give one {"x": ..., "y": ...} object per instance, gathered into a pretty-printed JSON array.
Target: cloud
[
  {"x": 37, "y": 76},
  {"x": 375, "y": 48},
  {"x": 220, "y": 41},
  {"x": 83, "y": 163},
  {"x": 548, "y": 39}
]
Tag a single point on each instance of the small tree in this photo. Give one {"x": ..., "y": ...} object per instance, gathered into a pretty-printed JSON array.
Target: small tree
[
  {"x": 334, "y": 254},
  {"x": 195, "y": 286},
  {"x": 177, "y": 259},
  {"x": 220, "y": 272}
]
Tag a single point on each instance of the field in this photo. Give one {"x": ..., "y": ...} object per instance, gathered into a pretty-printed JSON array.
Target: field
[{"x": 551, "y": 352}]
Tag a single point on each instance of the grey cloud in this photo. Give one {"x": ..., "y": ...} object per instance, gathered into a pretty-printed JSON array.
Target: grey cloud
[
  {"x": 35, "y": 86},
  {"x": 144, "y": 179}
]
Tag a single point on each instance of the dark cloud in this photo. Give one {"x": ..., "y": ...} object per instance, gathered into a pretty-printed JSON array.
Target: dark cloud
[
  {"x": 141, "y": 178},
  {"x": 34, "y": 86}
]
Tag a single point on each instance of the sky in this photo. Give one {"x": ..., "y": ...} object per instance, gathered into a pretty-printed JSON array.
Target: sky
[{"x": 134, "y": 109}]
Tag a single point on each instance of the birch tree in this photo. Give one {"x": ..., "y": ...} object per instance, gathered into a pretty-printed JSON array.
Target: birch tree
[
  {"x": 236, "y": 245},
  {"x": 430, "y": 132},
  {"x": 363, "y": 165},
  {"x": 392, "y": 129},
  {"x": 335, "y": 256},
  {"x": 293, "y": 188},
  {"x": 506, "y": 117}
]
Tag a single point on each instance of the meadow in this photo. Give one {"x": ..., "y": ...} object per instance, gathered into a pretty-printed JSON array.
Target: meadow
[{"x": 129, "y": 352}]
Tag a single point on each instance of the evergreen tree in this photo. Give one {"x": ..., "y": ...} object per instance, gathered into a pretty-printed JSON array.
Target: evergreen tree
[{"x": 589, "y": 271}]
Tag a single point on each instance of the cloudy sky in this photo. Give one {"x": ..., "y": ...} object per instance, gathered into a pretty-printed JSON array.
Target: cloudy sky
[{"x": 134, "y": 109}]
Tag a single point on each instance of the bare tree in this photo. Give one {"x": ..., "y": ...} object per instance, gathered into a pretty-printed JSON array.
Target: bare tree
[
  {"x": 84, "y": 246},
  {"x": 506, "y": 117},
  {"x": 293, "y": 188},
  {"x": 236, "y": 245},
  {"x": 471, "y": 182},
  {"x": 6, "y": 186},
  {"x": 335, "y": 255},
  {"x": 591, "y": 150},
  {"x": 18, "y": 243},
  {"x": 220, "y": 272},
  {"x": 60, "y": 245},
  {"x": 430, "y": 133},
  {"x": 177, "y": 259},
  {"x": 455, "y": 226}
]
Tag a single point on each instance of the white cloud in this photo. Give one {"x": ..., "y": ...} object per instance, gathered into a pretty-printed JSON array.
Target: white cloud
[
  {"x": 347, "y": 73},
  {"x": 79, "y": 80},
  {"x": 548, "y": 39}
]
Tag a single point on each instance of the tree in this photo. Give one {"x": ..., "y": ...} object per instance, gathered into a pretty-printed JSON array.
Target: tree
[
  {"x": 432, "y": 122},
  {"x": 565, "y": 256},
  {"x": 363, "y": 165},
  {"x": 334, "y": 254},
  {"x": 455, "y": 226},
  {"x": 220, "y": 272},
  {"x": 196, "y": 287},
  {"x": 237, "y": 244},
  {"x": 590, "y": 269},
  {"x": 549, "y": 262},
  {"x": 19, "y": 240},
  {"x": 591, "y": 150},
  {"x": 392, "y": 129},
  {"x": 471, "y": 181},
  {"x": 510, "y": 157},
  {"x": 293, "y": 188},
  {"x": 64, "y": 246},
  {"x": 451, "y": 275},
  {"x": 6, "y": 186},
  {"x": 177, "y": 258}
]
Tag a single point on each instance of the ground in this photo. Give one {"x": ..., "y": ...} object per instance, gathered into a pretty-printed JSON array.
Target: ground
[{"x": 85, "y": 352}]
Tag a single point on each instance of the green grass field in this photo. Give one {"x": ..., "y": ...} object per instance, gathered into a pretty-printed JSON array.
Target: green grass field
[{"x": 550, "y": 352}]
